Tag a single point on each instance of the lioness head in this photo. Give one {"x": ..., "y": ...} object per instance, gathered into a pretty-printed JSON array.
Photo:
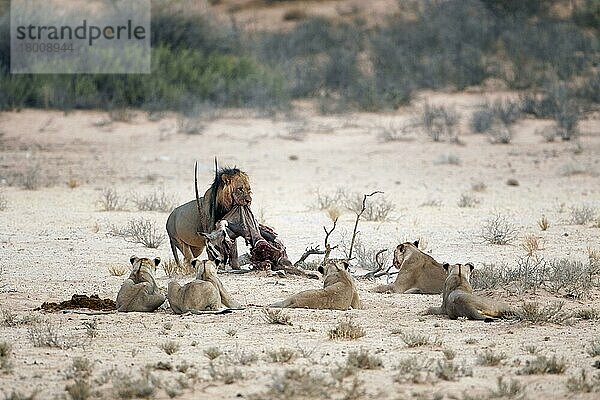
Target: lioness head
[
  {"x": 204, "y": 268},
  {"x": 333, "y": 266},
  {"x": 143, "y": 269},
  {"x": 404, "y": 251},
  {"x": 234, "y": 188},
  {"x": 459, "y": 270}
]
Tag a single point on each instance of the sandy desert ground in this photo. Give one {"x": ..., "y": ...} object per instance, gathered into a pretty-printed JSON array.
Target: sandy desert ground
[{"x": 56, "y": 241}]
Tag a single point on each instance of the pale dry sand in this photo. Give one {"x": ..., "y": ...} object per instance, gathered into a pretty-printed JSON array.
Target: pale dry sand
[{"x": 55, "y": 242}]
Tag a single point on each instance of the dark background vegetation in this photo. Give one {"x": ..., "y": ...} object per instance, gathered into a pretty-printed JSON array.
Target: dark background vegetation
[{"x": 450, "y": 45}]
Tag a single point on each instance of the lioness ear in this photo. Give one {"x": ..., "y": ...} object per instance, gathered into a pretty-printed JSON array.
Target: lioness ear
[
  {"x": 132, "y": 259},
  {"x": 194, "y": 262},
  {"x": 416, "y": 243},
  {"x": 346, "y": 264},
  {"x": 400, "y": 247},
  {"x": 321, "y": 269},
  {"x": 446, "y": 266},
  {"x": 157, "y": 261},
  {"x": 471, "y": 266}
]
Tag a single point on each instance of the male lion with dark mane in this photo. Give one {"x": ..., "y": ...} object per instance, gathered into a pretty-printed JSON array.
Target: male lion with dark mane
[{"x": 230, "y": 188}]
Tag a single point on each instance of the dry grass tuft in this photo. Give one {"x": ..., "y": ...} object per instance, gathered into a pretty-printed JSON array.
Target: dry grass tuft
[
  {"x": 467, "y": 200},
  {"x": 362, "y": 359},
  {"x": 298, "y": 384},
  {"x": 118, "y": 269},
  {"x": 550, "y": 313},
  {"x": 283, "y": 355},
  {"x": 488, "y": 358},
  {"x": 276, "y": 317},
  {"x": 45, "y": 334},
  {"x": 346, "y": 329},
  {"x": 5, "y": 354},
  {"x": 212, "y": 353},
  {"x": 414, "y": 369},
  {"x": 170, "y": 347},
  {"x": 173, "y": 270},
  {"x": 544, "y": 365},
  {"x": 512, "y": 389},
  {"x": 594, "y": 348},
  {"x": 543, "y": 223},
  {"x": 414, "y": 339},
  {"x": 531, "y": 244},
  {"x": 582, "y": 383}
]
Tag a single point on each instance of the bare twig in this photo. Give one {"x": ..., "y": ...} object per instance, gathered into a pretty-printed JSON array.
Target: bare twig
[
  {"x": 308, "y": 252},
  {"x": 358, "y": 215},
  {"x": 380, "y": 267},
  {"x": 328, "y": 247}
]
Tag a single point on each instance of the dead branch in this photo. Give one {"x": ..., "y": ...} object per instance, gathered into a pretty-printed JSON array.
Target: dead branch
[
  {"x": 308, "y": 252},
  {"x": 379, "y": 263},
  {"x": 358, "y": 215},
  {"x": 328, "y": 247}
]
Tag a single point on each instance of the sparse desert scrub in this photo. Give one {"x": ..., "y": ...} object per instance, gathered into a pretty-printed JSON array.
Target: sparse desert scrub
[
  {"x": 283, "y": 355},
  {"x": 478, "y": 186},
  {"x": 142, "y": 384},
  {"x": 582, "y": 214},
  {"x": 46, "y": 334},
  {"x": 362, "y": 359},
  {"x": 10, "y": 319},
  {"x": 170, "y": 347},
  {"x": 447, "y": 159},
  {"x": 552, "y": 313},
  {"x": 543, "y": 364},
  {"x": 5, "y": 355},
  {"x": 414, "y": 369},
  {"x": 587, "y": 314},
  {"x": 80, "y": 389},
  {"x": 80, "y": 368},
  {"x": 488, "y": 358},
  {"x": 499, "y": 229},
  {"x": 276, "y": 317},
  {"x": 467, "y": 200},
  {"x": 221, "y": 370},
  {"x": 3, "y": 202},
  {"x": 507, "y": 389},
  {"x": 583, "y": 383},
  {"x": 155, "y": 201},
  {"x": 110, "y": 200},
  {"x": 501, "y": 133},
  {"x": 414, "y": 339},
  {"x": 326, "y": 201},
  {"x": 346, "y": 329},
  {"x": 572, "y": 168},
  {"x": 244, "y": 357},
  {"x": 593, "y": 349},
  {"x": 212, "y": 352},
  {"x": 297, "y": 384},
  {"x": 91, "y": 328},
  {"x": 440, "y": 121},
  {"x": 142, "y": 231},
  {"x": 449, "y": 370},
  {"x": 376, "y": 208}
]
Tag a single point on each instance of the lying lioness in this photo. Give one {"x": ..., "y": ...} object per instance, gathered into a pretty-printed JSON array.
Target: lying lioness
[
  {"x": 459, "y": 301},
  {"x": 139, "y": 292},
  {"x": 206, "y": 293},
  {"x": 339, "y": 291},
  {"x": 418, "y": 272}
]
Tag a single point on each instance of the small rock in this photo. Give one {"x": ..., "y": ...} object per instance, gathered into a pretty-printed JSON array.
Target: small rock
[{"x": 512, "y": 182}]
